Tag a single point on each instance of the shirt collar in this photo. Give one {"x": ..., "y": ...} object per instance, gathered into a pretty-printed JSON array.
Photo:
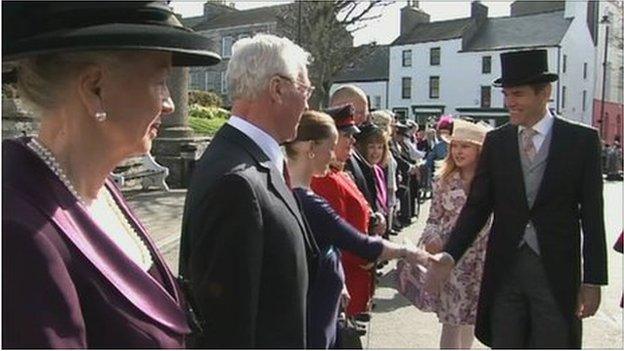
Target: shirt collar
[
  {"x": 266, "y": 142},
  {"x": 543, "y": 126}
]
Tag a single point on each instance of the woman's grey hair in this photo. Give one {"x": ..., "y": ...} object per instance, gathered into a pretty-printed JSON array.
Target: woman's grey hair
[
  {"x": 256, "y": 60},
  {"x": 42, "y": 80}
]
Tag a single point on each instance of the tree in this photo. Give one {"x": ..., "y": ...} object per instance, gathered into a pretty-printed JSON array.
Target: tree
[{"x": 324, "y": 28}]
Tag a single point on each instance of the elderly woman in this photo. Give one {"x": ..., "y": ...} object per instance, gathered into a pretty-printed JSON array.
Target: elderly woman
[
  {"x": 79, "y": 270},
  {"x": 309, "y": 156}
]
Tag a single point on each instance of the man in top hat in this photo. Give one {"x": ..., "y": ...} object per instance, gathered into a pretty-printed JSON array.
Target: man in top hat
[
  {"x": 540, "y": 177},
  {"x": 245, "y": 247}
]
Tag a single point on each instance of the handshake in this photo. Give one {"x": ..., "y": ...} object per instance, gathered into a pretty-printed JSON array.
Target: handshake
[{"x": 432, "y": 262}]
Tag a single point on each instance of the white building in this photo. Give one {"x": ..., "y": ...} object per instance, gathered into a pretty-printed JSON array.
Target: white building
[{"x": 448, "y": 66}]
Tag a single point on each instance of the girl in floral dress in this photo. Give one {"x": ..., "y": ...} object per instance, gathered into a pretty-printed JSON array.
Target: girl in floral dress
[{"x": 456, "y": 304}]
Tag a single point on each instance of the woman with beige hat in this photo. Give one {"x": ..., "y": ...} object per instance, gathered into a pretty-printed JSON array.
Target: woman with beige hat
[{"x": 456, "y": 304}]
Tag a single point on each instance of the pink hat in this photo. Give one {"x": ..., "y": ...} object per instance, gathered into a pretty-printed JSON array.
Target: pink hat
[{"x": 445, "y": 122}]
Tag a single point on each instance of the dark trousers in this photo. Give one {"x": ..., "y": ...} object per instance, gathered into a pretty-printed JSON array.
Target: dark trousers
[
  {"x": 524, "y": 312},
  {"x": 404, "y": 196}
]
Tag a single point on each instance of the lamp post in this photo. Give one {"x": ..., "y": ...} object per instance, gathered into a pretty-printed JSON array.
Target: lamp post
[{"x": 605, "y": 21}]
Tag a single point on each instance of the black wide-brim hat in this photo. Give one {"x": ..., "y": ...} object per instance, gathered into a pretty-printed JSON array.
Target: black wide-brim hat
[
  {"x": 46, "y": 27},
  {"x": 524, "y": 67}
]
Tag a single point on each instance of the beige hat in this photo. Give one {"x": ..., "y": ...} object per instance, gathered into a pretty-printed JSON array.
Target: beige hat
[{"x": 468, "y": 131}]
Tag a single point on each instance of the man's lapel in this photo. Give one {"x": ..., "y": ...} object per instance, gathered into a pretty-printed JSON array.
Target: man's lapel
[{"x": 558, "y": 146}]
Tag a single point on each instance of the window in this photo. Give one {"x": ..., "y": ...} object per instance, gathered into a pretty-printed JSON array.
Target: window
[
  {"x": 584, "y": 99},
  {"x": 565, "y": 63},
  {"x": 407, "y": 58},
  {"x": 213, "y": 80},
  {"x": 486, "y": 96},
  {"x": 585, "y": 70},
  {"x": 197, "y": 80},
  {"x": 226, "y": 46},
  {"x": 377, "y": 101},
  {"x": 400, "y": 112},
  {"x": 406, "y": 88},
  {"x": 486, "y": 64},
  {"x": 434, "y": 87},
  {"x": 224, "y": 85},
  {"x": 563, "y": 97},
  {"x": 434, "y": 57}
]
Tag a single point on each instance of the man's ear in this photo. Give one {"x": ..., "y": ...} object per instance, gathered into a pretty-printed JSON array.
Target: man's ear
[
  {"x": 90, "y": 82},
  {"x": 276, "y": 89},
  {"x": 547, "y": 92}
]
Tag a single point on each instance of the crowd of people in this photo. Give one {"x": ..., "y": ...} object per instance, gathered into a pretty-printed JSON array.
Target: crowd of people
[{"x": 290, "y": 210}]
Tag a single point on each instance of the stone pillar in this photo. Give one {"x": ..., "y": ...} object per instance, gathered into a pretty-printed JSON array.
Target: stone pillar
[
  {"x": 176, "y": 135},
  {"x": 176, "y": 124}
]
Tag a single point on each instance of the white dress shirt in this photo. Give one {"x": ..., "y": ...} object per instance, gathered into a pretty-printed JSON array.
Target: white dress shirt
[
  {"x": 267, "y": 144},
  {"x": 542, "y": 128}
]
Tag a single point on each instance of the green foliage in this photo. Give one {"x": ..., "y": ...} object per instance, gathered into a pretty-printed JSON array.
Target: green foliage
[
  {"x": 208, "y": 112},
  {"x": 207, "y": 120},
  {"x": 206, "y": 126},
  {"x": 204, "y": 98}
]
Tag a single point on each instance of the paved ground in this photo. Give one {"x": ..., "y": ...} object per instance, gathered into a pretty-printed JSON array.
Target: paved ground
[{"x": 396, "y": 323}]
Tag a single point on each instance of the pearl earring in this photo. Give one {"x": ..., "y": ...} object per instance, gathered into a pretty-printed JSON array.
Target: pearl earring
[
  {"x": 311, "y": 155},
  {"x": 100, "y": 116}
]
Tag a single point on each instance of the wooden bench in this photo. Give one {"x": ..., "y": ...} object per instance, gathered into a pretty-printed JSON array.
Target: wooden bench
[{"x": 151, "y": 174}]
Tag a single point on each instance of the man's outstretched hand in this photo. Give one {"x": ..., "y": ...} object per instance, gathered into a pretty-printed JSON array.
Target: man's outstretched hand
[{"x": 440, "y": 266}]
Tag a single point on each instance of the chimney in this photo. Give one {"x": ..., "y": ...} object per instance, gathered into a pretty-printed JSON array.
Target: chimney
[
  {"x": 411, "y": 16},
  {"x": 214, "y": 8},
  {"x": 479, "y": 12}
]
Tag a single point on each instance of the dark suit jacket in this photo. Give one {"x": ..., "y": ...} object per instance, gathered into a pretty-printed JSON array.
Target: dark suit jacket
[
  {"x": 364, "y": 178},
  {"x": 65, "y": 284},
  {"x": 244, "y": 249},
  {"x": 569, "y": 198}
]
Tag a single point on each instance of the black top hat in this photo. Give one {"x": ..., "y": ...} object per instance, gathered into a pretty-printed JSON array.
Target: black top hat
[
  {"x": 44, "y": 27},
  {"x": 524, "y": 67},
  {"x": 344, "y": 117}
]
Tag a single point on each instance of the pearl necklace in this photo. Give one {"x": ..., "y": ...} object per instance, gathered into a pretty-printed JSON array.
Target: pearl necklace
[
  {"x": 46, "y": 155},
  {"x": 118, "y": 228}
]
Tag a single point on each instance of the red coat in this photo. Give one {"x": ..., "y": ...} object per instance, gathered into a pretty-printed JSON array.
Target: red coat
[{"x": 345, "y": 198}]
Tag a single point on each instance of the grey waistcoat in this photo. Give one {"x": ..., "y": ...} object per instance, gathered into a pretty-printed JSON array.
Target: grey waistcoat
[{"x": 532, "y": 173}]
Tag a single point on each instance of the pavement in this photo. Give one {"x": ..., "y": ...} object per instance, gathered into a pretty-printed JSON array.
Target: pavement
[{"x": 396, "y": 324}]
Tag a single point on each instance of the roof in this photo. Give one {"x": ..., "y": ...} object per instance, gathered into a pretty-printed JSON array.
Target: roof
[
  {"x": 374, "y": 67},
  {"x": 435, "y": 31},
  {"x": 236, "y": 18},
  {"x": 191, "y": 22},
  {"x": 498, "y": 33}
]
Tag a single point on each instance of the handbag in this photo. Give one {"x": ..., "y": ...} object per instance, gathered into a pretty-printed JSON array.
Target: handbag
[{"x": 410, "y": 282}]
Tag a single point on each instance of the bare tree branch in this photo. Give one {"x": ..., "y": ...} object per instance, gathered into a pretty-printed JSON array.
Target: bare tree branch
[{"x": 326, "y": 32}]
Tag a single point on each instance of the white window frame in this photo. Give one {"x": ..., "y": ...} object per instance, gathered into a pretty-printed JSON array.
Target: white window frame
[{"x": 224, "y": 45}]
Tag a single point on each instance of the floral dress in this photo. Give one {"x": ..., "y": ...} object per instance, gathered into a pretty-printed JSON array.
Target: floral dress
[{"x": 457, "y": 301}]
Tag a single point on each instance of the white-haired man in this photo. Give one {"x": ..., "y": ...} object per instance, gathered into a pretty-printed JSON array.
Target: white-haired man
[{"x": 245, "y": 248}]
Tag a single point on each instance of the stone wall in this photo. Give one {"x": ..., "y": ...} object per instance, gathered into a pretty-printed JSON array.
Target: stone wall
[{"x": 16, "y": 120}]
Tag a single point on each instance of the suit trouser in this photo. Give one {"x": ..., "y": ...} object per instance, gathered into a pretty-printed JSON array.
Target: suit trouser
[{"x": 525, "y": 313}]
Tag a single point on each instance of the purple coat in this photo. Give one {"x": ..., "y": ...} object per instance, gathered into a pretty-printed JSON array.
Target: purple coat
[{"x": 65, "y": 284}]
